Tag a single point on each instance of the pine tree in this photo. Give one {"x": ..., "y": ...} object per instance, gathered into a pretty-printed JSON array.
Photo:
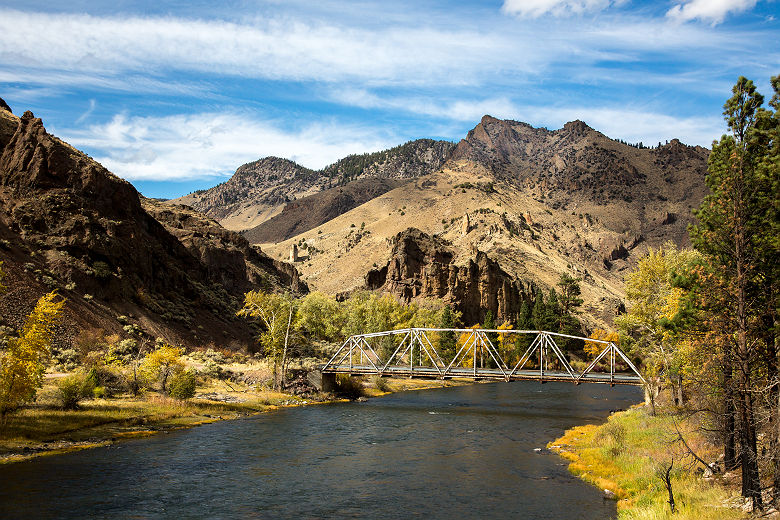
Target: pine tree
[
  {"x": 728, "y": 220},
  {"x": 447, "y": 339},
  {"x": 570, "y": 302},
  {"x": 539, "y": 311}
]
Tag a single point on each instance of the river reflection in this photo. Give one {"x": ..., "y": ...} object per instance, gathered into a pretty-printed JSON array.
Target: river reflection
[{"x": 465, "y": 452}]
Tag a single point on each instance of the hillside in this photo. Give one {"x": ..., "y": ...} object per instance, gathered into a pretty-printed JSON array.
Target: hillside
[
  {"x": 309, "y": 212},
  {"x": 259, "y": 190},
  {"x": 536, "y": 202},
  {"x": 68, "y": 224}
]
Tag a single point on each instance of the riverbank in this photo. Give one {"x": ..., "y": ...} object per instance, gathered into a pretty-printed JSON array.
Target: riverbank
[
  {"x": 628, "y": 455},
  {"x": 43, "y": 428}
]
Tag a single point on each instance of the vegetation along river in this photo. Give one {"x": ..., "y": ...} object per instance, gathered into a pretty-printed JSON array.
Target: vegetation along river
[{"x": 459, "y": 452}]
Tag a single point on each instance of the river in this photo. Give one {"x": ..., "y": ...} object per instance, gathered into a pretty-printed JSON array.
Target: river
[{"x": 449, "y": 453}]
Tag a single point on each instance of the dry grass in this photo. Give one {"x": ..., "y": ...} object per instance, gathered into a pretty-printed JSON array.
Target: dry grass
[{"x": 624, "y": 456}]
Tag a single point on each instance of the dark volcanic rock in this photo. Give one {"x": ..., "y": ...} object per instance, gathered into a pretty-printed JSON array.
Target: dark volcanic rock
[
  {"x": 228, "y": 257},
  {"x": 421, "y": 266},
  {"x": 73, "y": 226}
]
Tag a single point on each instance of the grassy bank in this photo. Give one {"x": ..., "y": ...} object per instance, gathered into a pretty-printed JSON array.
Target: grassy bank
[
  {"x": 44, "y": 428},
  {"x": 627, "y": 456}
]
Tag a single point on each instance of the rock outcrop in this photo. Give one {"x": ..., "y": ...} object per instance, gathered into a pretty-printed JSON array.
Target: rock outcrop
[{"x": 422, "y": 266}]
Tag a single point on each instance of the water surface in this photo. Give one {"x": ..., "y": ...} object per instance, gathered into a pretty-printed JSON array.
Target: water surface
[{"x": 451, "y": 453}]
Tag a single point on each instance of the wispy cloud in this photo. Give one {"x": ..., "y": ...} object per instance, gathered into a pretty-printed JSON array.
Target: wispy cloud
[
  {"x": 537, "y": 8},
  {"x": 633, "y": 124},
  {"x": 713, "y": 11},
  {"x": 272, "y": 48},
  {"x": 78, "y": 47},
  {"x": 83, "y": 117},
  {"x": 204, "y": 145}
]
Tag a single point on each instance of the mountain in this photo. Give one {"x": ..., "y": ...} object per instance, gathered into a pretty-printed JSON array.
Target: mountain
[
  {"x": 259, "y": 190},
  {"x": 68, "y": 224},
  {"x": 525, "y": 204}
]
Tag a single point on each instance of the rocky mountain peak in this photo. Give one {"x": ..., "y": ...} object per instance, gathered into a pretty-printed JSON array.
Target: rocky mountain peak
[
  {"x": 576, "y": 129},
  {"x": 33, "y": 160},
  {"x": 4, "y": 106},
  {"x": 259, "y": 190}
]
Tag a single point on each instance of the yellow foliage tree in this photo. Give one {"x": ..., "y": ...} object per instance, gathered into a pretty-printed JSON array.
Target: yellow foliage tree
[
  {"x": 161, "y": 364},
  {"x": 506, "y": 345},
  {"x": 22, "y": 363},
  {"x": 278, "y": 316},
  {"x": 593, "y": 348},
  {"x": 467, "y": 360},
  {"x": 653, "y": 298}
]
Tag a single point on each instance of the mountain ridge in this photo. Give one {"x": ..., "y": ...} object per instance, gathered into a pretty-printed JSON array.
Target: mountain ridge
[
  {"x": 259, "y": 190},
  {"x": 537, "y": 202},
  {"x": 69, "y": 224}
]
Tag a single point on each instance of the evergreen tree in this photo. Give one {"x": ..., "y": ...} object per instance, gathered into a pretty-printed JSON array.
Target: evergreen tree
[
  {"x": 570, "y": 302},
  {"x": 524, "y": 322},
  {"x": 489, "y": 323},
  {"x": 731, "y": 219},
  {"x": 447, "y": 339},
  {"x": 539, "y": 311}
]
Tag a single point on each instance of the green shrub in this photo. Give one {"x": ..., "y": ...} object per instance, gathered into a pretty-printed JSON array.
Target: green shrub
[
  {"x": 612, "y": 437},
  {"x": 109, "y": 380},
  {"x": 101, "y": 270},
  {"x": 72, "y": 389},
  {"x": 380, "y": 383},
  {"x": 66, "y": 359},
  {"x": 182, "y": 385},
  {"x": 123, "y": 352},
  {"x": 99, "y": 392}
]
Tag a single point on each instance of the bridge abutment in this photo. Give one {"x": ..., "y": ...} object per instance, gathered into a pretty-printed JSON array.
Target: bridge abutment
[{"x": 324, "y": 382}]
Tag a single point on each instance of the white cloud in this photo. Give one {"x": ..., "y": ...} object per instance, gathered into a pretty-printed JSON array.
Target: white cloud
[
  {"x": 629, "y": 124},
  {"x": 456, "y": 110},
  {"x": 537, "y": 8},
  {"x": 270, "y": 48},
  {"x": 203, "y": 145},
  {"x": 708, "y": 10},
  {"x": 634, "y": 125},
  {"x": 83, "y": 117}
]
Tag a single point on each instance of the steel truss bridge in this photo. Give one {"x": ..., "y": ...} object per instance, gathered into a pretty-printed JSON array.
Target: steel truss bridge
[{"x": 416, "y": 356}]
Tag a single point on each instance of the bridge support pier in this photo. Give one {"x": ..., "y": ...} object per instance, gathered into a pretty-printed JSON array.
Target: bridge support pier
[{"x": 324, "y": 382}]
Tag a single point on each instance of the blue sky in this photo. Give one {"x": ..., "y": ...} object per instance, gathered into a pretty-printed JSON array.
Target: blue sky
[{"x": 173, "y": 96}]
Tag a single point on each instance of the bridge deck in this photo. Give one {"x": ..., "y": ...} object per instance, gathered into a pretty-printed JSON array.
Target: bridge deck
[{"x": 485, "y": 373}]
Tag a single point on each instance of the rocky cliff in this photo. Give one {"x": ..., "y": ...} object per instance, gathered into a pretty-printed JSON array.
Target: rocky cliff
[
  {"x": 421, "y": 266},
  {"x": 67, "y": 223}
]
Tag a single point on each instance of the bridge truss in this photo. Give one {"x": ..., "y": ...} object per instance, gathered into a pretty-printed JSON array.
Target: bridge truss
[{"x": 476, "y": 357}]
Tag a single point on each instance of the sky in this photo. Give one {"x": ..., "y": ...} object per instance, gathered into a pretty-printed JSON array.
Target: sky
[{"x": 174, "y": 96}]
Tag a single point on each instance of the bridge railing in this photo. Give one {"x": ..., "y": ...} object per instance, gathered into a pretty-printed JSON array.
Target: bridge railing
[{"x": 358, "y": 355}]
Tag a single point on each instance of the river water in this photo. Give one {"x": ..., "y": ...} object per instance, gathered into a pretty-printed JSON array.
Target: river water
[{"x": 450, "y": 453}]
